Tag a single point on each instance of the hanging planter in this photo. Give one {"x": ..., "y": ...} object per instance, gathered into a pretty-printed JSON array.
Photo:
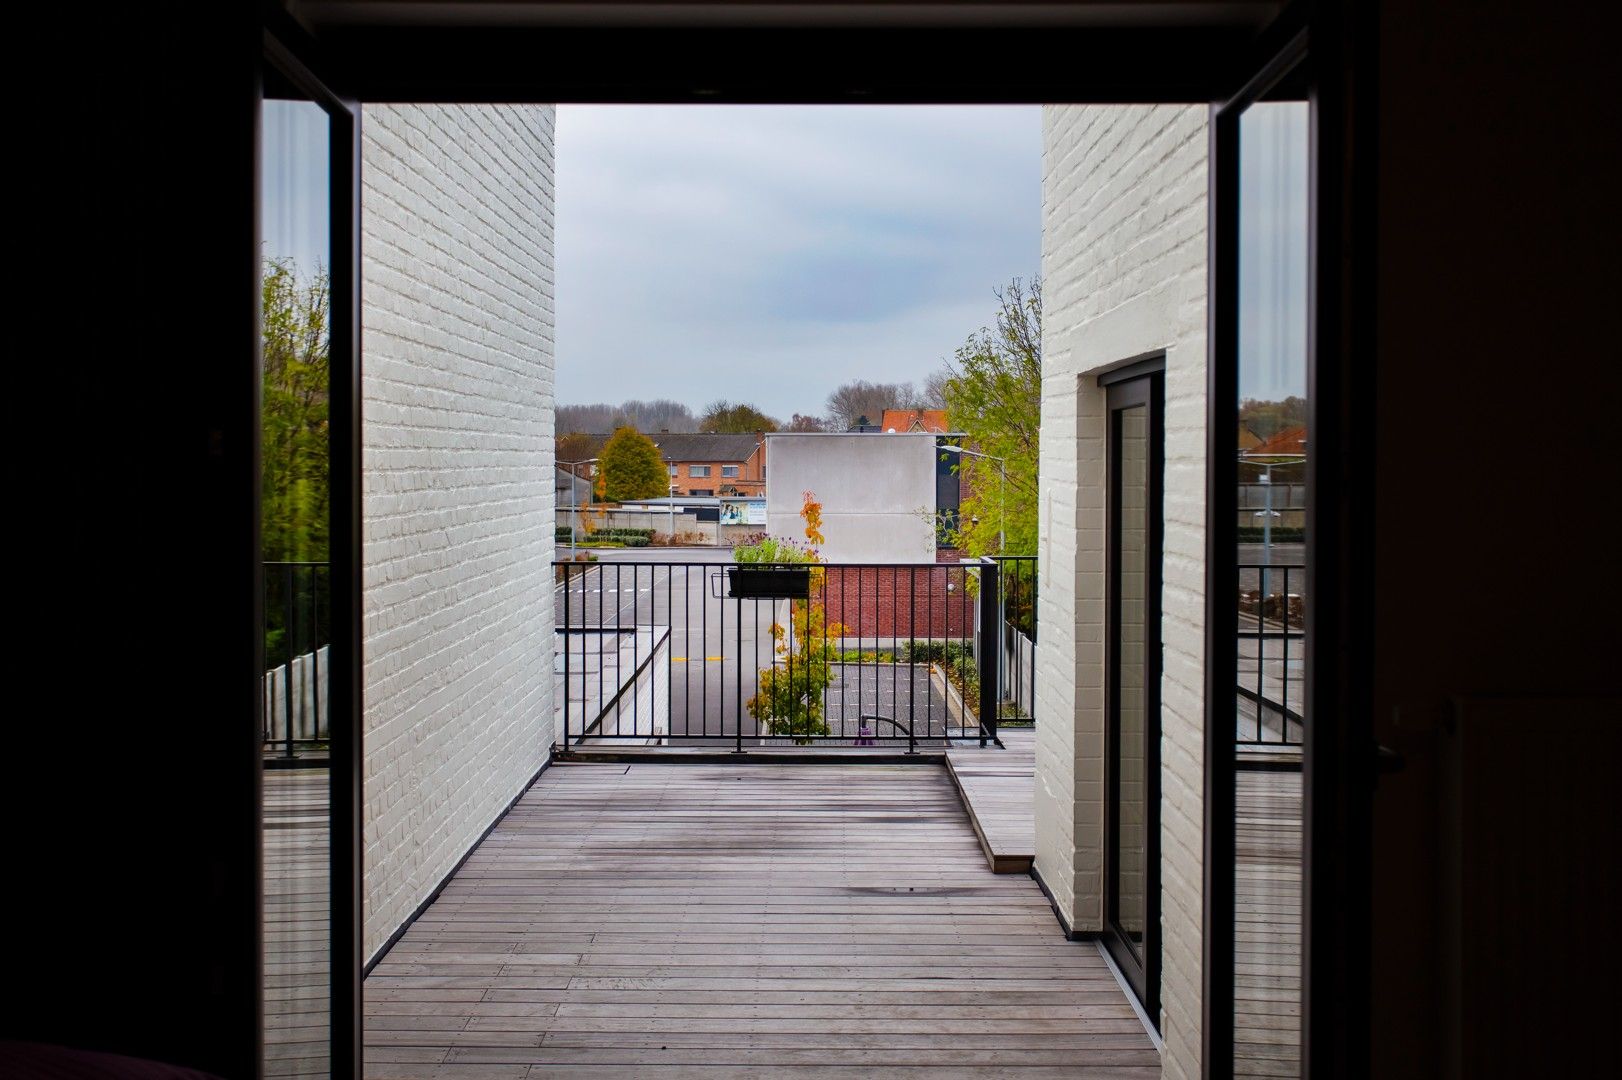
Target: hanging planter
[{"x": 760, "y": 582}]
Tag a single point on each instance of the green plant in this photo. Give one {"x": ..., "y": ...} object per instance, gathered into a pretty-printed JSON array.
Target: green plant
[
  {"x": 993, "y": 393},
  {"x": 772, "y": 549},
  {"x": 790, "y": 697}
]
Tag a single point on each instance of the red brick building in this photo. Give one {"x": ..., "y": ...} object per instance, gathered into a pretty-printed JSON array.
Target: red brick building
[{"x": 703, "y": 463}]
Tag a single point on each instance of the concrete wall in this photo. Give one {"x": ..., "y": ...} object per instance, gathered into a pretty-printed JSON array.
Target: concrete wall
[
  {"x": 1124, "y": 267},
  {"x": 457, "y": 484},
  {"x": 877, "y": 493}
]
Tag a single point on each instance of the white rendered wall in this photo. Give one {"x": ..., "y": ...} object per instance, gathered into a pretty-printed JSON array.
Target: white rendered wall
[
  {"x": 457, "y": 483},
  {"x": 1124, "y": 269},
  {"x": 877, "y": 493}
]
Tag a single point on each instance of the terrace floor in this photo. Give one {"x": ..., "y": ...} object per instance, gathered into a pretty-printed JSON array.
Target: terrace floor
[{"x": 767, "y": 920}]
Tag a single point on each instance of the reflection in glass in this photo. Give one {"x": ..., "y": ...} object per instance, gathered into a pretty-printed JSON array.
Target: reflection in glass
[
  {"x": 1131, "y": 711},
  {"x": 295, "y": 294},
  {"x": 1273, "y": 441}
]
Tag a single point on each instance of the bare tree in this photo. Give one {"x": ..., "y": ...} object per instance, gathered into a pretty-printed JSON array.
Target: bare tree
[
  {"x": 735, "y": 417},
  {"x": 934, "y": 392},
  {"x": 854, "y": 400},
  {"x": 658, "y": 415},
  {"x": 802, "y": 423}
]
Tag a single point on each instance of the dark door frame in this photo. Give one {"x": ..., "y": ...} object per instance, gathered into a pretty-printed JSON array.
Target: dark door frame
[
  {"x": 1322, "y": 52},
  {"x": 294, "y": 58},
  {"x": 1168, "y": 64},
  {"x": 1141, "y": 385}
]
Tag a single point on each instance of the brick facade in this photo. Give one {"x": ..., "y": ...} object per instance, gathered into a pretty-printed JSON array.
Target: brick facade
[
  {"x": 457, "y": 484},
  {"x": 900, "y": 601},
  {"x": 1124, "y": 268}
]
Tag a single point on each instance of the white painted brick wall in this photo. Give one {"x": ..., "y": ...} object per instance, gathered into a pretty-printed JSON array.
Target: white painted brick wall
[
  {"x": 1124, "y": 268},
  {"x": 457, "y": 483}
]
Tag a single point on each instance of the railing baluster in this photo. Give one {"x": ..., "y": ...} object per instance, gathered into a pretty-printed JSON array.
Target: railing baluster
[{"x": 288, "y": 625}]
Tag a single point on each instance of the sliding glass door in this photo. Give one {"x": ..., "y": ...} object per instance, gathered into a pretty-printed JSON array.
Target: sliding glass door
[
  {"x": 308, "y": 582},
  {"x": 1133, "y": 654}
]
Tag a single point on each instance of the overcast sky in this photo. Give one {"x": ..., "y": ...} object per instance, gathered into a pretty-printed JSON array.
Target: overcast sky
[{"x": 770, "y": 253}]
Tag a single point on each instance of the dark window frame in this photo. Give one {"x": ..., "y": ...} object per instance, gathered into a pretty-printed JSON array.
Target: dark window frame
[{"x": 1140, "y": 384}]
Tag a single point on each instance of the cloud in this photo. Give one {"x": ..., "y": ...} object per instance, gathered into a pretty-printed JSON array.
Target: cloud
[{"x": 770, "y": 253}]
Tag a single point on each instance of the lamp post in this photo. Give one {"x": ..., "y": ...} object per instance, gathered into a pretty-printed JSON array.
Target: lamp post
[
  {"x": 574, "y": 501},
  {"x": 1002, "y": 490},
  {"x": 1266, "y": 462},
  {"x": 672, "y": 515}
]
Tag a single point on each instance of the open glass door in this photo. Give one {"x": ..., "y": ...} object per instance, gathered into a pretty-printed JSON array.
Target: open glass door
[
  {"x": 1136, "y": 452},
  {"x": 1267, "y": 354},
  {"x": 308, "y": 349}
]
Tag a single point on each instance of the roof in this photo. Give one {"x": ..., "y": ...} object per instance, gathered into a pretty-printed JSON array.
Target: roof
[
  {"x": 690, "y": 445},
  {"x": 913, "y": 420},
  {"x": 1292, "y": 440},
  {"x": 703, "y": 446}
]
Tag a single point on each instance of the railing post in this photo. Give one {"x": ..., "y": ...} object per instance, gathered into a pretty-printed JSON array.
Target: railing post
[
  {"x": 289, "y": 623},
  {"x": 567, "y": 690},
  {"x": 990, "y": 692}
]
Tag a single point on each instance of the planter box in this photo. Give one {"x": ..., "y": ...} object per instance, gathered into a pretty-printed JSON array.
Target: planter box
[{"x": 769, "y": 582}]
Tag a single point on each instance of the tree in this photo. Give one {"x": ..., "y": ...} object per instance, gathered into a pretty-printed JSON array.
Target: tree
[
  {"x": 632, "y": 468},
  {"x": 735, "y": 418},
  {"x": 802, "y": 423},
  {"x": 934, "y": 392},
  {"x": 295, "y": 493},
  {"x": 791, "y": 689},
  {"x": 659, "y": 415},
  {"x": 859, "y": 398},
  {"x": 994, "y": 396}
]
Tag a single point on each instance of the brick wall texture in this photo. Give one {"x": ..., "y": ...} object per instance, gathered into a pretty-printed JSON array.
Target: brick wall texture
[
  {"x": 900, "y": 601},
  {"x": 1124, "y": 268},
  {"x": 457, "y": 483}
]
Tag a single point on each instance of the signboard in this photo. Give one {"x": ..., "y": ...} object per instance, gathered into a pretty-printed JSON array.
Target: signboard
[{"x": 743, "y": 511}]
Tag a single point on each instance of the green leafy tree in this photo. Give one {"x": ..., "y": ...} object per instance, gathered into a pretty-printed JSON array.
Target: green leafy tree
[
  {"x": 296, "y": 488},
  {"x": 994, "y": 396},
  {"x": 735, "y": 418},
  {"x": 631, "y": 467}
]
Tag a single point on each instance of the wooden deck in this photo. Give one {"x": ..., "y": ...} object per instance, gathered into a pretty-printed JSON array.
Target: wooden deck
[
  {"x": 717, "y": 921},
  {"x": 296, "y": 909},
  {"x": 998, "y": 788},
  {"x": 1267, "y": 928}
]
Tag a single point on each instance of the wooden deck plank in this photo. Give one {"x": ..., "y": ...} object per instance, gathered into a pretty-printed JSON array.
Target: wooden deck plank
[
  {"x": 744, "y": 920},
  {"x": 997, "y": 786},
  {"x": 1267, "y": 938}
]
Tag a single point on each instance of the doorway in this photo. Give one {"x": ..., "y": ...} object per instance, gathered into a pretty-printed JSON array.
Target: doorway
[{"x": 1136, "y": 462}]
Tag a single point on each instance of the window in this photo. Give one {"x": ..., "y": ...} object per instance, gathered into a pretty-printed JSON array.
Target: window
[
  {"x": 674, "y": 469},
  {"x": 698, "y": 470},
  {"x": 702, "y": 493},
  {"x": 729, "y": 470}
]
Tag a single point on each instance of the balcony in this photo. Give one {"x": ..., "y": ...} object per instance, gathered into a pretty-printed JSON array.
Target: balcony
[{"x": 704, "y": 920}]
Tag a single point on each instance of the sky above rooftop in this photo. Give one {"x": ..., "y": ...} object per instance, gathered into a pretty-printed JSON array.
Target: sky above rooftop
[{"x": 771, "y": 253}]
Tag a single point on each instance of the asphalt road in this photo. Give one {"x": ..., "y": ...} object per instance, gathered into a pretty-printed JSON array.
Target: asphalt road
[{"x": 683, "y": 588}]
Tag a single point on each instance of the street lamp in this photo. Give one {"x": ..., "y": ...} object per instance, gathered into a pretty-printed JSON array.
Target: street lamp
[
  {"x": 1002, "y": 491},
  {"x": 574, "y": 501},
  {"x": 1267, "y": 514}
]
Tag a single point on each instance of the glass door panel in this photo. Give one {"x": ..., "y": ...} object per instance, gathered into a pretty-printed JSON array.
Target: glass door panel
[
  {"x": 295, "y": 344},
  {"x": 1132, "y": 737},
  {"x": 1273, "y": 440}
]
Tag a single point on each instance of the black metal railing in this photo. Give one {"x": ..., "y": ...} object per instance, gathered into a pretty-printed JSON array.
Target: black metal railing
[
  {"x": 1272, "y": 654},
  {"x": 297, "y": 628},
  {"x": 705, "y": 653},
  {"x": 1017, "y": 580}
]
